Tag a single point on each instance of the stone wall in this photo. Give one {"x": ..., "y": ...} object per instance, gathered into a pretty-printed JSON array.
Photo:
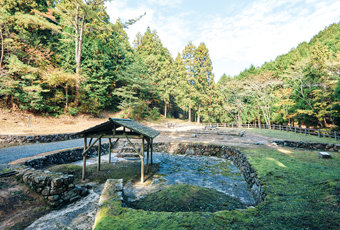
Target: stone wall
[
  {"x": 65, "y": 156},
  {"x": 240, "y": 160},
  {"x": 306, "y": 145},
  {"x": 57, "y": 189},
  {"x": 11, "y": 139}
]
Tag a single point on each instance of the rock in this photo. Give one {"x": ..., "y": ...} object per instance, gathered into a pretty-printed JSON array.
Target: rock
[
  {"x": 56, "y": 182},
  {"x": 194, "y": 135},
  {"x": 256, "y": 143},
  {"x": 324, "y": 155},
  {"x": 46, "y": 191},
  {"x": 84, "y": 191},
  {"x": 74, "y": 198}
]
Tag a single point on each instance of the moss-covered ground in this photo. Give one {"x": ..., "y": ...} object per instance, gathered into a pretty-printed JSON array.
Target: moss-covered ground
[
  {"x": 187, "y": 198},
  {"x": 303, "y": 192}
]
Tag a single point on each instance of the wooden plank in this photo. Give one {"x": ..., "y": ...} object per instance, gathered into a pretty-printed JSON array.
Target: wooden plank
[
  {"x": 99, "y": 155},
  {"x": 84, "y": 159}
]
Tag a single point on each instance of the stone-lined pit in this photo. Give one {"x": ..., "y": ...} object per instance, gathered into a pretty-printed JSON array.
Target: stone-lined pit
[{"x": 222, "y": 170}]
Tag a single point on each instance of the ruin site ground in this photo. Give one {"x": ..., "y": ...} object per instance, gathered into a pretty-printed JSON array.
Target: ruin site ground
[{"x": 303, "y": 191}]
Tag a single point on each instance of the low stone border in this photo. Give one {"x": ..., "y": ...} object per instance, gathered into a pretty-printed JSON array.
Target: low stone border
[
  {"x": 11, "y": 139},
  {"x": 306, "y": 145},
  {"x": 66, "y": 156},
  {"x": 112, "y": 191},
  {"x": 56, "y": 188}
]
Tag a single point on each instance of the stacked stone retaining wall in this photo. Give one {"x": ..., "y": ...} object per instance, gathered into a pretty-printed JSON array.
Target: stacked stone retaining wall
[
  {"x": 65, "y": 156},
  {"x": 57, "y": 189},
  {"x": 314, "y": 146},
  {"x": 12, "y": 139}
]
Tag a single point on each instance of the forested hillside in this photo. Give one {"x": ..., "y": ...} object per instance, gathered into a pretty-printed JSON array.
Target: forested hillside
[
  {"x": 66, "y": 57},
  {"x": 301, "y": 87},
  {"x": 62, "y": 57}
]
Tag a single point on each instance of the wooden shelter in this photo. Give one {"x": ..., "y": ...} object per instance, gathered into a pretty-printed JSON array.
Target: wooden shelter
[{"x": 119, "y": 128}]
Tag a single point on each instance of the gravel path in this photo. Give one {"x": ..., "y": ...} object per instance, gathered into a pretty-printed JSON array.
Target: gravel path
[{"x": 14, "y": 153}]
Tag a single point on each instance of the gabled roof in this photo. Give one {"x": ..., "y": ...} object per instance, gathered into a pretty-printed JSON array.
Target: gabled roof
[{"x": 107, "y": 127}]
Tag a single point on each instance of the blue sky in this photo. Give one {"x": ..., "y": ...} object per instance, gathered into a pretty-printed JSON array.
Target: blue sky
[{"x": 237, "y": 33}]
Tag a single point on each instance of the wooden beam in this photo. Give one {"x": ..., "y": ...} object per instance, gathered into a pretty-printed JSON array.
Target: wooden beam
[
  {"x": 85, "y": 152},
  {"x": 84, "y": 159},
  {"x": 134, "y": 136},
  {"x": 99, "y": 155},
  {"x": 151, "y": 145},
  {"x": 133, "y": 146},
  {"x": 142, "y": 162},
  {"x": 110, "y": 150},
  {"x": 110, "y": 146},
  {"x": 147, "y": 155}
]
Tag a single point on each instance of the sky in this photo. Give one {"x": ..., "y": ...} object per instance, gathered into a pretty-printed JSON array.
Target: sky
[{"x": 237, "y": 33}]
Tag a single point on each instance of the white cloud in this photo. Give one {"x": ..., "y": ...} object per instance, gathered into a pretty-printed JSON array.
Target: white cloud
[{"x": 259, "y": 32}]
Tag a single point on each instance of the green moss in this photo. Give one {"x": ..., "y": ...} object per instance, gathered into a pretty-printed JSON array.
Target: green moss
[
  {"x": 303, "y": 192},
  {"x": 127, "y": 170},
  {"x": 187, "y": 198}
]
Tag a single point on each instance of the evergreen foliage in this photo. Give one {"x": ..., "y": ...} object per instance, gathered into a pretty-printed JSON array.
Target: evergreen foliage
[{"x": 66, "y": 57}]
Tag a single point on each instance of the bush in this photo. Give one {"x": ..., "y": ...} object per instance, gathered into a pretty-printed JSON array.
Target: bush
[
  {"x": 72, "y": 111},
  {"x": 154, "y": 113}
]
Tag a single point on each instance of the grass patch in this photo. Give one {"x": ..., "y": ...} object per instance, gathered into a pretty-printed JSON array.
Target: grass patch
[
  {"x": 127, "y": 170},
  {"x": 303, "y": 192},
  {"x": 291, "y": 136},
  {"x": 186, "y": 198}
]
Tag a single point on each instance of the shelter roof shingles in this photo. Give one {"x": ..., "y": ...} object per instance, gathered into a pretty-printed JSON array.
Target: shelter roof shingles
[{"x": 128, "y": 123}]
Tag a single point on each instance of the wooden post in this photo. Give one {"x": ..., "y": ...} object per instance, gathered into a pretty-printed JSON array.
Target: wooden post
[
  {"x": 280, "y": 127},
  {"x": 248, "y": 125},
  {"x": 142, "y": 162},
  {"x": 99, "y": 149},
  {"x": 110, "y": 146},
  {"x": 287, "y": 128},
  {"x": 295, "y": 129},
  {"x": 335, "y": 136},
  {"x": 84, "y": 158},
  {"x": 319, "y": 134},
  {"x": 232, "y": 125},
  {"x": 305, "y": 131},
  {"x": 147, "y": 156},
  {"x": 151, "y": 150}
]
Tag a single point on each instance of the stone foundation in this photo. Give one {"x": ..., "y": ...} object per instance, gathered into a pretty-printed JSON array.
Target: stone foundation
[
  {"x": 306, "y": 145},
  {"x": 57, "y": 189}
]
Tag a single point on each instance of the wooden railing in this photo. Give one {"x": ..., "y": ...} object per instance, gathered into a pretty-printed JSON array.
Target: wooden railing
[{"x": 317, "y": 132}]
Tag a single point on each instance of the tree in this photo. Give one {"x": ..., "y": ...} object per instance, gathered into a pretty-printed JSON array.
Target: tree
[
  {"x": 188, "y": 56},
  {"x": 203, "y": 77}
]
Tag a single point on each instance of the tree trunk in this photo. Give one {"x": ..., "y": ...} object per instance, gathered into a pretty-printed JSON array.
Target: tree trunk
[
  {"x": 198, "y": 114},
  {"x": 189, "y": 117},
  {"x": 165, "y": 109},
  {"x": 2, "y": 47}
]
